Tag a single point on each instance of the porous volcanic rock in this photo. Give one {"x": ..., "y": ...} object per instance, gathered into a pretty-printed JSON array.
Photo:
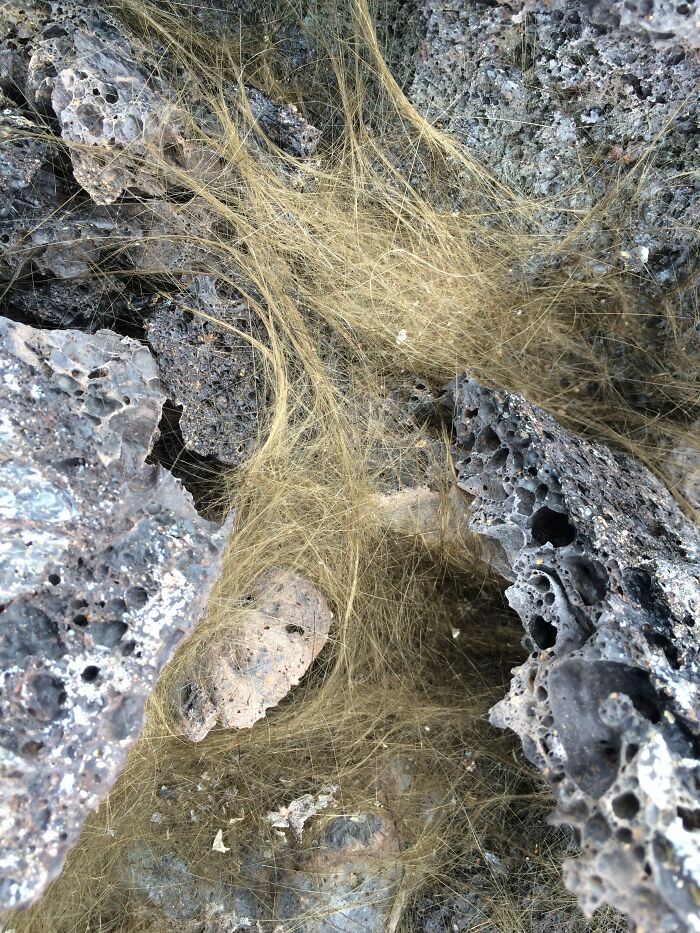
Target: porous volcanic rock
[
  {"x": 104, "y": 566},
  {"x": 665, "y": 23},
  {"x": 564, "y": 105},
  {"x": 211, "y": 369},
  {"x": 606, "y": 579},
  {"x": 252, "y": 665},
  {"x": 108, "y": 103}
]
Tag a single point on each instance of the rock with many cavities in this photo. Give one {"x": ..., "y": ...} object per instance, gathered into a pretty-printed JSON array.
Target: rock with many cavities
[
  {"x": 605, "y": 576},
  {"x": 104, "y": 566}
]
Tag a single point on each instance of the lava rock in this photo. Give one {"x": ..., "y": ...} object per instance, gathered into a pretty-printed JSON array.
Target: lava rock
[
  {"x": 182, "y": 897},
  {"x": 606, "y": 579},
  {"x": 345, "y": 881},
  {"x": 211, "y": 369},
  {"x": 122, "y": 124},
  {"x": 283, "y": 124},
  {"x": 104, "y": 567},
  {"x": 566, "y": 107},
  {"x": 88, "y": 305},
  {"x": 665, "y": 23},
  {"x": 251, "y": 665}
]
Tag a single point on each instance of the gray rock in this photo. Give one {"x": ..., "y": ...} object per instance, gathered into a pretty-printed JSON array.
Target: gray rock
[
  {"x": 606, "y": 579},
  {"x": 452, "y": 914},
  {"x": 106, "y": 99},
  {"x": 88, "y": 305},
  {"x": 283, "y": 124},
  {"x": 126, "y": 130},
  {"x": 663, "y": 22},
  {"x": 346, "y": 881},
  {"x": 167, "y": 882},
  {"x": 211, "y": 369},
  {"x": 104, "y": 566},
  {"x": 344, "y": 877},
  {"x": 22, "y": 155},
  {"x": 564, "y": 107},
  {"x": 67, "y": 244}
]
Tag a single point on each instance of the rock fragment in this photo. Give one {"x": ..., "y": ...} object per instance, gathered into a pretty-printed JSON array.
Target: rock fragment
[
  {"x": 346, "y": 880},
  {"x": 205, "y": 346},
  {"x": 111, "y": 108},
  {"x": 253, "y": 665},
  {"x": 438, "y": 520},
  {"x": 605, "y": 576},
  {"x": 104, "y": 566},
  {"x": 296, "y": 813},
  {"x": 283, "y": 124}
]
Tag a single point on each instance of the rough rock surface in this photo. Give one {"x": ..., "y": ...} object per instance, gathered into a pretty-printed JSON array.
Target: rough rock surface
[
  {"x": 185, "y": 901},
  {"x": 211, "y": 369},
  {"x": 104, "y": 566},
  {"x": 88, "y": 305},
  {"x": 561, "y": 103},
  {"x": 107, "y": 101},
  {"x": 606, "y": 578},
  {"x": 250, "y": 667},
  {"x": 283, "y": 124},
  {"x": 346, "y": 880},
  {"x": 78, "y": 66},
  {"x": 343, "y": 878},
  {"x": 666, "y": 23}
]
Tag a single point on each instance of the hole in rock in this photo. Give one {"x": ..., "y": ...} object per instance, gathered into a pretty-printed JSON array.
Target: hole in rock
[
  {"x": 659, "y": 640},
  {"x": 588, "y": 578},
  {"x": 90, "y": 673},
  {"x": 550, "y": 527},
  {"x": 626, "y": 806},
  {"x": 108, "y": 634},
  {"x": 597, "y": 829},
  {"x": 488, "y": 440},
  {"x": 543, "y": 632},
  {"x": 136, "y": 597},
  {"x": 690, "y": 819}
]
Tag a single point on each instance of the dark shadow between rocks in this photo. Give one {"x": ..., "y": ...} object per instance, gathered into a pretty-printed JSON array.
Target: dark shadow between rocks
[{"x": 202, "y": 477}]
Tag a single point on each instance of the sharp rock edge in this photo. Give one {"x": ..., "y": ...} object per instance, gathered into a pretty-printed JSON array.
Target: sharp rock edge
[
  {"x": 604, "y": 575},
  {"x": 104, "y": 567}
]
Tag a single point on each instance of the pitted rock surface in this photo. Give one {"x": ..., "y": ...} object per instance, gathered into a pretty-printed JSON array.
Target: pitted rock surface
[
  {"x": 562, "y": 103},
  {"x": 606, "y": 579},
  {"x": 88, "y": 305},
  {"x": 211, "y": 369},
  {"x": 283, "y": 124},
  {"x": 85, "y": 71},
  {"x": 665, "y": 23},
  {"x": 104, "y": 566}
]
